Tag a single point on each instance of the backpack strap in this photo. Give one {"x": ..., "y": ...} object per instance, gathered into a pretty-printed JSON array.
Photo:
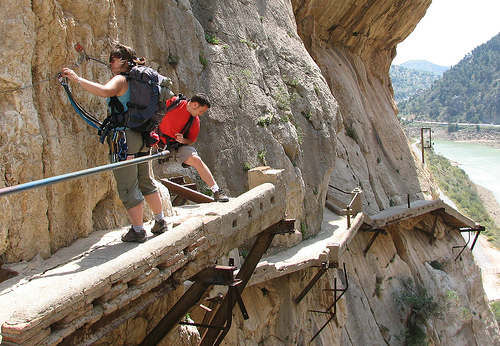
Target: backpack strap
[
  {"x": 115, "y": 105},
  {"x": 187, "y": 127},
  {"x": 114, "y": 120}
]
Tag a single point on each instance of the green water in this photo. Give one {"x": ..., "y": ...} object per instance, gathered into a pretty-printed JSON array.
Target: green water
[{"x": 480, "y": 162}]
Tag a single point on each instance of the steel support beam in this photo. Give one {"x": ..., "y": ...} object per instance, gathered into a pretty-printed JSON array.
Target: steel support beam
[
  {"x": 208, "y": 277},
  {"x": 214, "y": 336},
  {"x": 334, "y": 304},
  {"x": 186, "y": 192},
  {"x": 372, "y": 240},
  {"x": 468, "y": 230}
]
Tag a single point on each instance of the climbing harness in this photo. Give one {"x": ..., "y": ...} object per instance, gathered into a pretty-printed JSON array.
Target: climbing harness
[{"x": 118, "y": 145}]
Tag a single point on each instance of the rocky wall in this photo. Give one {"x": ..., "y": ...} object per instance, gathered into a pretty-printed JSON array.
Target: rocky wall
[
  {"x": 354, "y": 43},
  {"x": 271, "y": 106}
]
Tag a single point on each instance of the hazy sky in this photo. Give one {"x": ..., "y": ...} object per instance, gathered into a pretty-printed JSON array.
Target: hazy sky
[{"x": 449, "y": 30}]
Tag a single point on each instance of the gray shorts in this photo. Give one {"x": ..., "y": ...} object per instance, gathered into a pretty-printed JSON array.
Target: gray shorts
[
  {"x": 136, "y": 181},
  {"x": 183, "y": 153}
]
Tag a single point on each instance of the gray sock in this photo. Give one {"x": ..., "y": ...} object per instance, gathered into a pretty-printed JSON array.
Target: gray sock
[
  {"x": 159, "y": 217},
  {"x": 137, "y": 229}
]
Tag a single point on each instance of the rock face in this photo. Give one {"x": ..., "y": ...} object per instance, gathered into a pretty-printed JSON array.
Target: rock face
[
  {"x": 301, "y": 86},
  {"x": 400, "y": 293}
]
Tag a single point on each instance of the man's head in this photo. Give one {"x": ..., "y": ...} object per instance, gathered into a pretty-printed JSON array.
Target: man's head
[{"x": 198, "y": 104}]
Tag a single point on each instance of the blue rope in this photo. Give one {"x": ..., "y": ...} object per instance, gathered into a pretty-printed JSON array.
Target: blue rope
[{"x": 87, "y": 117}]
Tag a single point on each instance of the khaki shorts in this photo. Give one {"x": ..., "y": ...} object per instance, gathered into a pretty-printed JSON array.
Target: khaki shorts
[{"x": 136, "y": 181}]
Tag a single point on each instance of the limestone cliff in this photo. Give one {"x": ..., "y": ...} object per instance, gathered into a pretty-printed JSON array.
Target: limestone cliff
[{"x": 301, "y": 85}]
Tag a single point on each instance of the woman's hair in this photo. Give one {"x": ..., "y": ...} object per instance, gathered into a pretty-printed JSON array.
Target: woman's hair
[{"x": 126, "y": 53}]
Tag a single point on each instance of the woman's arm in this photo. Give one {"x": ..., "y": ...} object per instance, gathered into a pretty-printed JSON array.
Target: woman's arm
[{"x": 116, "y": 85}]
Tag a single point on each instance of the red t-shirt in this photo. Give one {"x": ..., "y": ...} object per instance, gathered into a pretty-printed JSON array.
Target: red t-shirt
[{"x": 174, "y": 121}]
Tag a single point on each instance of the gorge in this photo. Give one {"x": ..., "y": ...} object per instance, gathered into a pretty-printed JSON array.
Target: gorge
[{"x": 301, "y": 86}]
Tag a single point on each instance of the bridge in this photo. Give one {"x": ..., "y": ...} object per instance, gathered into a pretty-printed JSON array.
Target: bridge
[{"x": 89, "y": 289}]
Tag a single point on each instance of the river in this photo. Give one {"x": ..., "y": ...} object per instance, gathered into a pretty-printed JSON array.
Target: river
[{"x": 480, "y": 162}]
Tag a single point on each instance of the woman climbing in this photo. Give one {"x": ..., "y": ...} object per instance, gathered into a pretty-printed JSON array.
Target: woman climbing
[{"x": 135, "y": 183}]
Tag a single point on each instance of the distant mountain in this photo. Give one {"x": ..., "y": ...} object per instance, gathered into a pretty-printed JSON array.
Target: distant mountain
[
  {"x": 423, "y": 65},
  {"x": 469, "y": 92},
  {"x": 408, "y": 82}
]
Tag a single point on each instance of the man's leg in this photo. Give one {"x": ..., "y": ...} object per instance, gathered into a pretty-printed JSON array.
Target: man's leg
[
  {"x": 205, "y": 174},
  {"x": 202, "y": 168}
]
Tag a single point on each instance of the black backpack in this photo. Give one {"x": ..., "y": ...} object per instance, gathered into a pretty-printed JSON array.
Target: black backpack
[{"x": 145, "y": 109}]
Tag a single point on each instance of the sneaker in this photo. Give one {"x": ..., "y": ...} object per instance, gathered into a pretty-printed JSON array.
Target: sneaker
[
  {"x": 159, "y": 227},
  {"x": 220, "y": 196},
  {"x": 133, "y": 236}
]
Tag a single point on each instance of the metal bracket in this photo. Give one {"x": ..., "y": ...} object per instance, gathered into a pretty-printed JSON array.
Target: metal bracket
[
  {"x": 329, "y": 311},
  {"x": 370, "y": 243},
  {"x": 233, "y": 293},
  {"x": 222, "y": 316},
  {"x": 433, "y": 232},
  {"x": 468, "y": 230},
  {"x": 324, "y": 267},
  {"x": 202, "y": 281}
]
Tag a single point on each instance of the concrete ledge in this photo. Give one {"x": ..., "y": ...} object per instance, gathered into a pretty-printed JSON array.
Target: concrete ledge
[
  {"x": 335, "y": 237},
  {"x": 50, "y": 306},
  {"x": 311, "y": 252},
  {"x": 341, "y": 240},
  {"x": 417, "y": 208}
]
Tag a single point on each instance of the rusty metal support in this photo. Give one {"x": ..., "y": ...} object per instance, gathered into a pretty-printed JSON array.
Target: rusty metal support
[
  {"x": 212, "y": 304},
  {"x": 215, "y": 336},
  {"x": 334, "y": 304},
  {"x": 372, "y": 240},
  {"x": 218, "y": 275},
  {"x": 355, "y": 206},
  {"x": 319, "y": 274},
  {"x": 468, "y": 230},
  {"x": 185, "y": 192},
  {"x": 234, "y": 294},
  {"x": 433, "y": 233}
]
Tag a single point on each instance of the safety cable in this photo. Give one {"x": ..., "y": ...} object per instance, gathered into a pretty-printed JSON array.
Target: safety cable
[
  {"x": 336, "y": 188},
  {"x": 82, "y": 59}
]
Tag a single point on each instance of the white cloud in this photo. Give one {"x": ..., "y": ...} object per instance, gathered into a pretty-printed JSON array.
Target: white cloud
[{"x": 449, "y": 30}]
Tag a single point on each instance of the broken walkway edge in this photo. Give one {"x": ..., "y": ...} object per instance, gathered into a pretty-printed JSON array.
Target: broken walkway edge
[
  {"x": 51, "y": 307},
  {"x": 330, "y": 249}
]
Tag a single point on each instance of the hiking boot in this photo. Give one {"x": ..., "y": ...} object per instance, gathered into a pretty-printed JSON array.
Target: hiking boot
[
  {"x": 159, "y": 227},
  {"x": 133, "y": 236},
  {"x": 220, "y": 196}
]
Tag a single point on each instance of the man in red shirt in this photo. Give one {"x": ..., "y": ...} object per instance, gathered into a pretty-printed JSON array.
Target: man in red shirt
[{"x": 179, "y": 130}]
